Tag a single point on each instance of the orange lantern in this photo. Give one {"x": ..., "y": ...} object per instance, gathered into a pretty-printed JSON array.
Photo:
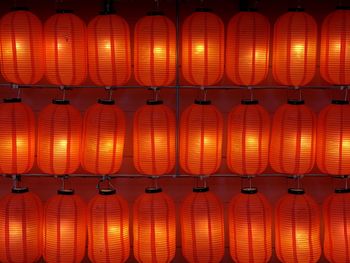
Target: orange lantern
[
  {"x": 155, "y": 50},
  {"x": 21, "y": 40},
  {"x": 64, "y": 228},
  {"x": 154, "y": 227},
  {"x": 297, "y": 228},
  {"x": 294, "y": 48},
  {"x": 247, "y": 48},
  {"x": 108, "y": 228},
  {"x": 59, "y": 128},
  {"x": 103, "y": 138},
  {"x": 65, "y": 49},
  {"x": 202, "y": 227},
  {"x": 293, "y": 137},
  {"x": 203, "y": 48},
  {"x": 21, "y": 226},
  {"x": 154, "y": 139},
  {"x": 250, "y": 217},
  {"x": 248, "y": 137}
]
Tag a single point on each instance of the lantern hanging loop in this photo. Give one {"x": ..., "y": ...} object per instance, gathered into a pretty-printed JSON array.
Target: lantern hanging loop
[
  {"x": 109, "y": 92},
  {"x": 201, "y": 181},
  {"x": 105, "y": 179},
  {"x": 203, "y": 93},
  {"x": 156, "y": 4},
  {"x": 15, "y": 86},
  {"x": 154, "y": 184},
  {"x": 16, "y": 181},
  {"x": 249, "y": 178},
  {"x": 250, "y": 89},
  {"x": 155, "y": 93},
  {"x": 64, "y": 180}
]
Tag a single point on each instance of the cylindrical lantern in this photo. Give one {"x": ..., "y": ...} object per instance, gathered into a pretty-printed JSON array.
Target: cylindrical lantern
[
  {"x": 59, "y": 131},
  {"x": 293, "y": 137},
  {"x": 154, "y": 227},
  {"x": 155, "y": 50},
  {"x": 103, "y": 138},
  {"x": 154, "y": 139},
  {"x": 202, "y": 227},
  {"x": 297, "y": 228},
  {"x": 64, "y": 228},
  {"x": 247, "y": 48},
  {"x": 108, "y": 228},
  {"x": 203, "y": 48},
  {"x": 250, "y": 217},
  {"x": 248, "y": 137},
  {"x": 294, "y": 48},
  {"x": 21, "y": 227},
  {"x": 21, "y": 40},
  {"x": 65, "y": 49}
]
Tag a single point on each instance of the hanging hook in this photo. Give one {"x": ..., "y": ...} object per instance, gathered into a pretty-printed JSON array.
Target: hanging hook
[
  {"x": 250, "y": 89},
  {"x": 63, "y": 89},
  {"x": 346, "y": 181},
  {"x": 15, "y": 86},
  {"x": 16, "y": 179},
  {"x": 154, "y": 181},
  {"x": 155, "y": 93},
  {"x": 346, "y": 93},
  {"x": 109, "y": 92},
  {"x": 156, "y": 4},
  {"x": 204, "y": 92},
  {"x": 64, "y": 180},
  {"x": 105, "y": 178}
]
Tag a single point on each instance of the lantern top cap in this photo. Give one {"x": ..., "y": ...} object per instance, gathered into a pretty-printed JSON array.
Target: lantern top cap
[
  {"x": 19, "y": 8},
  {"x": 19, "y": 190},
  {"x": 154, "y": 102},
  {"x": 342, "y": 190},
  {"x": 65, "y": 192},
  {"x": 155, "y": 13},
  {"x": 249, "y": 102},
  {"x": 12, "y": 100},
  {"x": 60, "y": 102},
  {"x": 249, "y": 190},
  {"x": 296, "y": 102},
  {"x": 105, "y": 102},
  {"x": 202, "y": 102},
  {"x": 340, "y": 102},
  {"x": 200, "y": 189},
  {"x": 107, "y": 191},
  {"x": 64, "y": 11},
  {"x": 153, "y": 190},
  {"x": 343, "y": 8},
  {"x": 296, "y": 191},
  {"x": 248, "y": 9},
  {"x": 203, "y": 9},
  {"x": 296, "y": 9}
]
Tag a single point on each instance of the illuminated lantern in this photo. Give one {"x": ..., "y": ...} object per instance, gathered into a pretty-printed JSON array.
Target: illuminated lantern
[
  {"x": 248, "y": 138},
  {"x": 293, "y": 138},
  {"x": 59, "y": 130},
  {"x": 17, "y": 137},
  {"x": 64, "y": 228},
  {"x": 21, "y": 227},
  {"x": 65, "y": 49},
  {"x": 21, "y": 40},
  {"x": 103, "y": 138},
  {"x": 247, "y": 48},
  {"x": 297, "y": 228},
  {"x": 154, "y": 139},
  {"x": 155, "y": 50},
  {"x": 250, "y": 217},
  {"x": 202, "y": 227},
  {"x": 154, "y": 227},
  {"x": 294, "y": 48},
  {"x": 203, "y": 48},
  {"x": 108, "y": 228}
]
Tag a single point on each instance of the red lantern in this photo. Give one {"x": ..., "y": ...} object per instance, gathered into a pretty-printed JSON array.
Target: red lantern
[
  {"x": 21, "y": 40},
  {"x": 247, "y": 48}
]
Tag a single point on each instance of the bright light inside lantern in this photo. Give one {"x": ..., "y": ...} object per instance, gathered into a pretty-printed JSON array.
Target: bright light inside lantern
[
  {"x": 107, "y": 45},
  {"x": 251, "y": 141},
  {"x": 298, "y": 49},
  {"x": 199, "y": 49},
  {"x": 346, "y": 145}
]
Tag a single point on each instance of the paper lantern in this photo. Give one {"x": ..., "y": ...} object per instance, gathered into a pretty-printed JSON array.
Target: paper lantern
[
  {"x": 154, "y": 139},
  {"x": 154, "y": 227},
  {"x": 109, "y": 50},
  {"x": 21, "y": 40},
  {"x": 155, "y": 50},
  {"x": 294, "y": 48},
  {"x": 21, "y": 227},
  {"x": 247, "y": 48},
  {"x": 293, "y": 137},
  {"x": 250, "y": 217},
  {"x": 202, "y": 227},
  {"x": 108, "y": 228},
  {"x": 59, "y": 131},
  {"x": 65, "y": 49},
  {"x": 64, "y": 228},
  {"x": 248, "y": 137},
  {"x": 103, "y": 138},
  {"x": 297, "y": 228},
  {"x": 203, "y": 48}
]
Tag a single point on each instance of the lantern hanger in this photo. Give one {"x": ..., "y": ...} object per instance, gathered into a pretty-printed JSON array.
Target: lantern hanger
[
  {"x": 297, "y": 181},
  {"x": 109, "y": 92},
  {"x": 155, "y": 93},
  {"x": 16, "y": 184},
  {"x": 154, "y": 183},
  {"x": 156, "y": 4},
  {"x": 64, "y": 182},
  {"x": 248, "y": 178},
  {"x": 203, "y": 94},
  {"x": 200, "y": 181},
  {"x": 16, "y": 86},
  {"x": 108, "y": 188},
  {"x": 107, "y": 7}
]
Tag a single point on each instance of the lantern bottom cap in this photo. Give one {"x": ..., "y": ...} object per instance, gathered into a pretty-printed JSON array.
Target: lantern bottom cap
[
  {"x": 19, "y": 190},
  {"x": 249, "y": 190},
  {"x": 200, "y": 189},
  {"x": 296, "y": 191},
  {"x": 342, "y": 190},
  {"x": 153, "y": 190},
  {"x": 65, "y": 192}
]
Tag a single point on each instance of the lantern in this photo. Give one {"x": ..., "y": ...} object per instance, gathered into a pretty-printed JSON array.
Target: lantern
[
  {"x": 202, "y": 227},
  {"x": 247, "y": 48},
  {"x": 65, "y": 49},
  {"x": 294, "y": 48},
  {"x": 203, "y": 48},
  {"x": 59, "y": 128},
  {"x": 250, "y": 227},
  {"x": 155, "y": 50},
  {"x": 293, "y": 137},
  {"x": 21, "y": 226},
  {"x": 154, "y": 139},
  {"x": 297, "y": 228},
  {"x": 248, "y": 137},
  {"x": 154, "y": 227},
  {"x": 103, "y": 138},
  {"x": 21, "y": 40},
  {"x": 64, "y": 228},
  {"x": 108, "y": 228}
]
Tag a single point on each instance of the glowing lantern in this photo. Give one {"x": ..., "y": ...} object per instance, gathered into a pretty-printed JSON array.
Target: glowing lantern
[
  {"x": 154, "y": 139},
  {"x": 154, "y": 227},
  {"x": 203, "y": 48},
  {"x": 103, "y": 138},
  {"x": 248, "y": 138},
  {"x": 21, "y": 40}
]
